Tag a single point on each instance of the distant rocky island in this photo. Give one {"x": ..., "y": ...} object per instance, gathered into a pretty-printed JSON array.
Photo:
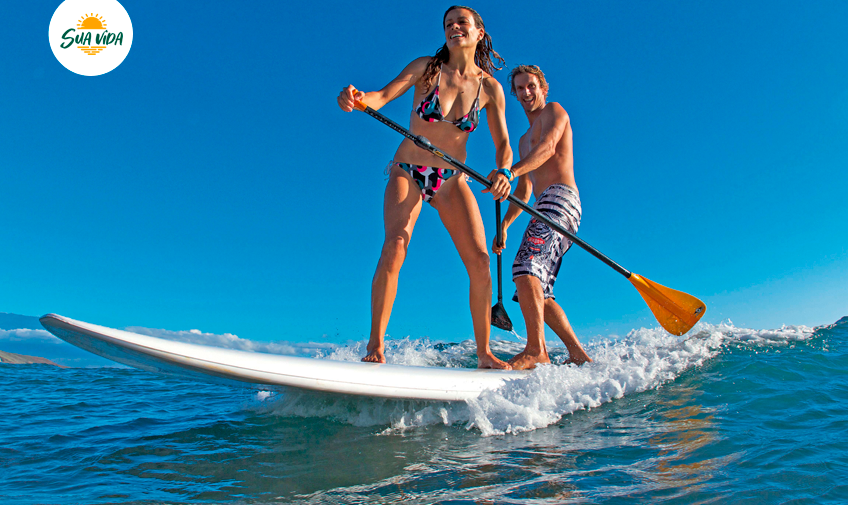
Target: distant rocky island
[{"x": 10, "y": 358}]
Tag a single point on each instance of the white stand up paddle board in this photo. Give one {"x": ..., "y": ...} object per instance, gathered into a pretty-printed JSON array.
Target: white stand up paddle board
[{"x": 205, "y": 362}]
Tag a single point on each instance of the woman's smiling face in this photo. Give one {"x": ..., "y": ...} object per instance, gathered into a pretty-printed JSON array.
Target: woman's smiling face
[{"x": 460, "y": 28}]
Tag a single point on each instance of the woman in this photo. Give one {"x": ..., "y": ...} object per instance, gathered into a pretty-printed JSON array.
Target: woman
[{"x": 450, "y": 90}]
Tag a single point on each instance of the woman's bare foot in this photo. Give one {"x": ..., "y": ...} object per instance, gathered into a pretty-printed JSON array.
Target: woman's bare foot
[
  {"x": 577, "y": 361},
  {"x": 375, "y": 356},
  {"x": 375, "y": 350},
  {"x": 528, "y": 361},
  {"x": 490, "y": 361}
]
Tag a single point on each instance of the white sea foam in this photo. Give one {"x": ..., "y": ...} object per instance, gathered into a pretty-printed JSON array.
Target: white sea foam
[
  {"x": 407, "y": 351},
  {"x": 643, "y": 360},
  {"x": 786, "y": 334}
]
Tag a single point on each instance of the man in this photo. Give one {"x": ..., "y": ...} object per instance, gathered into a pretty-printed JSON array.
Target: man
[{"x": 547, "y": 169}]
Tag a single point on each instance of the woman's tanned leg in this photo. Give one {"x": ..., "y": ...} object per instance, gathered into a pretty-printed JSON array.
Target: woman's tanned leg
[
  {"x": 401, "y": 207},
  {"x": 459, "y": 212}
]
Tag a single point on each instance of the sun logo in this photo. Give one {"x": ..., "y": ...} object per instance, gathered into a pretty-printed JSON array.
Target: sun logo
[{"x": 91, "y": 22}]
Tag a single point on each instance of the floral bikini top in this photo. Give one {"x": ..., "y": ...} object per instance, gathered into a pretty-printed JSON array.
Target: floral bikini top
[{"x": 431, "y": 110}]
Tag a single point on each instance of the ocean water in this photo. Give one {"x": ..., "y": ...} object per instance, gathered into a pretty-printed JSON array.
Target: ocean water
[{"x": 721, "y": 415}]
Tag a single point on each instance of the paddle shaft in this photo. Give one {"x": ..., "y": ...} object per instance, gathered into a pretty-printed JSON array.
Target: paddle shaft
[
  {"x": 499, "y": 240},
  {"x": 425, "y": 144}
]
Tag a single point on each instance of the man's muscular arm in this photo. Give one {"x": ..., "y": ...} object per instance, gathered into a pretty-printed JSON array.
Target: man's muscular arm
[{"x": 554, "y": 123}]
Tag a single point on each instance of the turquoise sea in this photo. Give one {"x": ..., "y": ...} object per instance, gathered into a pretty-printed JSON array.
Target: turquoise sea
[{"x": 721, "y": 415}]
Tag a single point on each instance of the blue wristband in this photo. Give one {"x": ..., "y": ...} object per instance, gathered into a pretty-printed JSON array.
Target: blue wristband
[{"x": 506, "y": 173}]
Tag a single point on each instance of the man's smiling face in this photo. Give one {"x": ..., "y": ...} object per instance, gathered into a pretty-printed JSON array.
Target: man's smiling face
[{"x": 529, "y": 92}]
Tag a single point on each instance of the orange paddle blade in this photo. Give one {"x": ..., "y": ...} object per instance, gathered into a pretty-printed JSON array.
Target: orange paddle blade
[{"x": 676, "y": 311}]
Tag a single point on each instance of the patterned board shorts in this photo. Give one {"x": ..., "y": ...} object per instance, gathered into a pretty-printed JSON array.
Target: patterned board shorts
[{"x": 542, "y": 248}]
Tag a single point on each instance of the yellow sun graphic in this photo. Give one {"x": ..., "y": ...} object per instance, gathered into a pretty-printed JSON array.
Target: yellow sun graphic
[{"x": 91, "y": 22}]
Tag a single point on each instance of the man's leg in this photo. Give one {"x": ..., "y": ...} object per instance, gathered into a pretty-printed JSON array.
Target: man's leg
[
  {"x": 555, "y": 318},
  {"x": 531, "y": 298}
]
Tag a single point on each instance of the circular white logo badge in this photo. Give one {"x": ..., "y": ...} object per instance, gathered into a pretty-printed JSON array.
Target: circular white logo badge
[{"x": 90, "y": 37}]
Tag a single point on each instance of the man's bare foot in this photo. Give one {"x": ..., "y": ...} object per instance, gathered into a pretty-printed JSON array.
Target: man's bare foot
[
  {"x": 490, "y": 361},
  {"x": 375, "y": 356},
  {"x": 528, "y": 361}
]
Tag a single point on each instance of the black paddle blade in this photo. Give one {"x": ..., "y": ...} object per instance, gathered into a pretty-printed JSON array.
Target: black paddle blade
[{"x": 499, "y": 317}]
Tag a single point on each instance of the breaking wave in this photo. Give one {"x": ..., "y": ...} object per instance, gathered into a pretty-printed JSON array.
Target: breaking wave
[{"x": 644, "y": 359}]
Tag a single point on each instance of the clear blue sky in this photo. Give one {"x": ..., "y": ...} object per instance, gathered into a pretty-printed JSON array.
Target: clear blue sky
[{"x": 211, "y": 181}]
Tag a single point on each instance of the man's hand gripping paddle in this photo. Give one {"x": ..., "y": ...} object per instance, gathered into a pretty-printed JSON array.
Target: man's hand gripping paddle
[{"x": 676, "y": 311}]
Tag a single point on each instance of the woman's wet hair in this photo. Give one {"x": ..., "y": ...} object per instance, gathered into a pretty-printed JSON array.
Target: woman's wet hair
[
  {"x": 527, "y": 69},
  {"x": 483, "y": 54}
]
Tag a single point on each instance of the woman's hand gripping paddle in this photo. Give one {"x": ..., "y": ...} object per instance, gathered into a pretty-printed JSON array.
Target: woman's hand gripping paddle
[
  {"x": 676, "y": 311},
  {"x": 499, "y": 317}
]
